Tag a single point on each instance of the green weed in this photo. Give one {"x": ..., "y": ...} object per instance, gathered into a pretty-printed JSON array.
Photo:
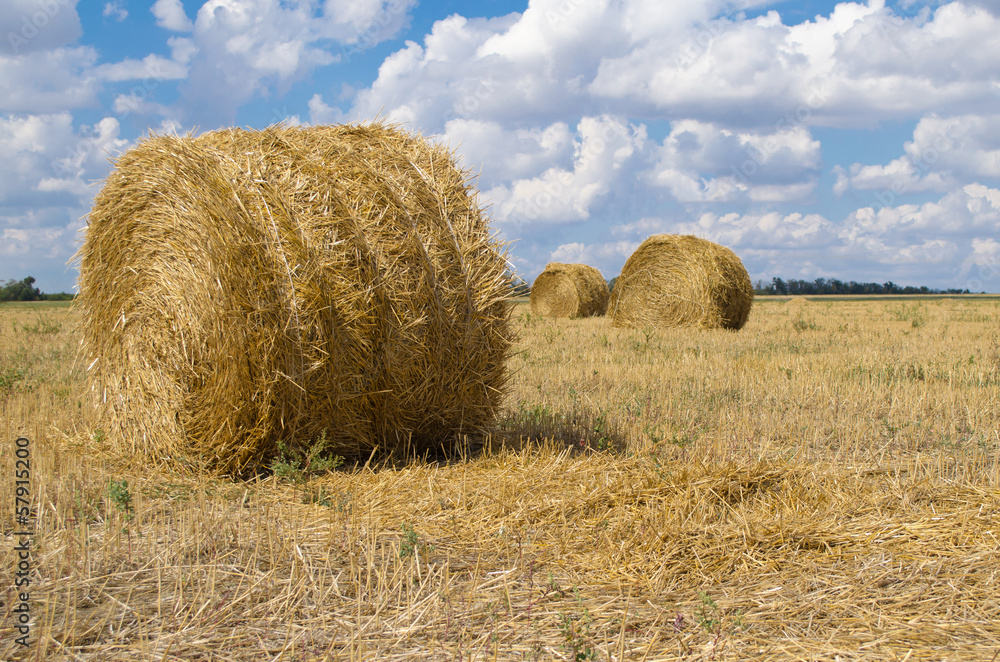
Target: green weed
[
  {"x": 576, "y": 632},
  {"x": 296, "y": 465},
  {"x": 708, "y": 613},
  {"x": 410, "y": 544}
]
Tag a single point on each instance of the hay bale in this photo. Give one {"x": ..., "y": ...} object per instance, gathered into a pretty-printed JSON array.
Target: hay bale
[
  {"x": 246, "y": 288},
  {"x": 682, "y": 280},
  {"x": 569, "y": 290}
]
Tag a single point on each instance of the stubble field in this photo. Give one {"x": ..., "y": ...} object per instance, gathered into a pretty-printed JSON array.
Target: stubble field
[{"x": 822, "y": 485}]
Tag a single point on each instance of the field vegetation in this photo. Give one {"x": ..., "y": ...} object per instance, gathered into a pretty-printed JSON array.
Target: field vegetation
[{"x": 821, "y": 485}]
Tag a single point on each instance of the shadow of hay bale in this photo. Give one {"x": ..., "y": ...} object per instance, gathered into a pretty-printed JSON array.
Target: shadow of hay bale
[
  {"x": 580, "y": 430},
  {"x": 248, "y": 287},
  {"x": 569, "y": 290},
  {"x": 681, "y": 280}
]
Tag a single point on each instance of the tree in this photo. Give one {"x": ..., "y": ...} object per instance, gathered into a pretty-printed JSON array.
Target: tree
[{"x": 20, "y": 290}]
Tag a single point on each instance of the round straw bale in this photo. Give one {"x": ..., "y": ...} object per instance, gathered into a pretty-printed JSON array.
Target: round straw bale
[
  {"x": 249, "y": 289},
  {"x": 569, "y": 290},
  {"x": 681, "y": 280}
]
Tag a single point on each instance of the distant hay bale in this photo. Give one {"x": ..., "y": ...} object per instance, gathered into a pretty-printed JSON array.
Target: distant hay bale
[
  {"x": 681, "y": 280},
  {"x": 248, "y": 288},
  {"x": 569, "y": 290}
]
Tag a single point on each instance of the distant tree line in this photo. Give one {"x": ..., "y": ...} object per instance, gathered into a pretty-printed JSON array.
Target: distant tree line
[
  {"x": 834, "y": 286},
  {"x": 793, "y": 286},
  {"x": 25, "y": 290}
]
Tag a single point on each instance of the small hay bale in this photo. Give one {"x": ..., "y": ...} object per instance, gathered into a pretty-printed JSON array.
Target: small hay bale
[
  {"x": 569, "y": 290},
  {"x": 246, "y": 289},
  {"x": 682, "y": 280}
]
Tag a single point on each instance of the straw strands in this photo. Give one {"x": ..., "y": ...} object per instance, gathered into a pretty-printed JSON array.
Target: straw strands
[
  {"x": 246, "y": 288},
  {"x": 569, "y": 290},
  {"x": 682, "y": 280}
]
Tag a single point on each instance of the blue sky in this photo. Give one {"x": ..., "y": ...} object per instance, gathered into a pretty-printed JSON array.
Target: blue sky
[{"x": 858, "y": 141}]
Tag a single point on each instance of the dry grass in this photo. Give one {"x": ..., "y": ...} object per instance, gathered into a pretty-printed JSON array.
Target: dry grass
[
  {"x": 681, "y": 280},
  {"x": 347, "y": 269},
  {"x": 824, "y": 485}
]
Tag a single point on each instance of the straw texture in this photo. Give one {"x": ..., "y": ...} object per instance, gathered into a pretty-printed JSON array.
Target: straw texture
[
  {"x": 246, "y": 288},
  {"x": 569, "y": 290},
  {"x": 682, "y": 280}
]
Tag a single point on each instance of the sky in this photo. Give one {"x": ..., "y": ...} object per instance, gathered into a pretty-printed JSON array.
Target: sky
[{"x": 858, "y": 141}]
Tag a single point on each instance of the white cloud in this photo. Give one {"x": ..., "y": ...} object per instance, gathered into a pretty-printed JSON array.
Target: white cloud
[
  {"x": 861, "y": 64},
  {"x": 151, "y": 67},
  {"x": 247, "y": 48},
  {"x": 603, "y": 151},
  {"x": 28, "y": 26},
  {"x": 597, "y": 255},
  {"x": 982, "y": 266},
  {"x": 47, "y": 180},
  {"x": 138, "y": 104},
  {"x": 702, "y": 161},
  {"x": 115, "y": 10},
  {"x": 46, "y": 154},
  {"x": 170, "y": 15},
  {"x": 509, "y": 154},
  {"x": 944, "y": 240},
  {"x": 943, "y": 152},
  {"x": 45, "y": 81}
]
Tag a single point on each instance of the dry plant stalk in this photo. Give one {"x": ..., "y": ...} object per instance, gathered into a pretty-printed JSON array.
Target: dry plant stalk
[
  {"x": 569, "y": 290},
  {"x": 246, "y": 288},
  {"x": 682, "y": 280}
]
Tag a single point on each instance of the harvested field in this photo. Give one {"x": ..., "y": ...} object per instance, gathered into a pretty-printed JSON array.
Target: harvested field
[{"x": 823, "y": 485}]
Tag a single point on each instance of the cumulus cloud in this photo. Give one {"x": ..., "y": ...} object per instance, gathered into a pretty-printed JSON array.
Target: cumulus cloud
[
  {"x": 151, "y": 67},
  {"x": 28, "y": 26},
  {"x": 170, "y": 15},
  {"x": 944, "y": 152},
  {"x": 46, "y": 154},
  {"x": 502, "y": 155},
  {"x": 46, "y": 186},
  {"x": 247, "y": 48},
  {"x": 702, "y": 161},
  {"x": 602, "y": 150},
  {"x": 859, "y": 65},
  {"x": 602, "y": 256},
  {"x": 45, "y": 81}
]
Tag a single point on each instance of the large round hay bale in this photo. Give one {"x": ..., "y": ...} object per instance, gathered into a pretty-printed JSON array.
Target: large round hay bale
[
  {"x": 681, "y": 280},
  {"x": 248, "y": 288},
  {"x": 569, "y": 290}
]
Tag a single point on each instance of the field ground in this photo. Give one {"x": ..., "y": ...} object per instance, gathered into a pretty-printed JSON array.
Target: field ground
[{"x": 822, "y": 485}]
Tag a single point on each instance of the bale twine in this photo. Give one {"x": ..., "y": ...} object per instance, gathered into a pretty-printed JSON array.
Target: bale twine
[
  {"x": 248, "y": 288},
  {"x": 682, "y": 280},
  {"x": 569, "y": 290}
]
